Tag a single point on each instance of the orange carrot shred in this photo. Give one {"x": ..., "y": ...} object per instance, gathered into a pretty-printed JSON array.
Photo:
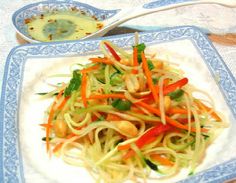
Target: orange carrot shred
[
  {"x": 113, "y": 117},
  {"x": 45, "y": 125},
  {"x": 168, "y": 119},
  {"x": 149, "y": 78},
  {"x": 58, "y": 146},
  {"x": 50, "y": 118},
  {"x": 63, "y": 103},
  {"x": 101, "y": 60},
  {"x": 177, "y": 111},
  {"x": 162, "y": 160},
  {"x": 128, "y": 154},
  {"x": 206, "y": 108},
  {"x": 135, "y": 60},
  {"x": 123, "y": 147},
  {"x": 166, "y": 82},
  {"x": 86, "y": 70},
  {"x": 105, "y": 96}
]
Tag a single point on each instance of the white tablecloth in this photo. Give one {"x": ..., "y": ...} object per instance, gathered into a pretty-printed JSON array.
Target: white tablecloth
[{"x": 205, "y": 16}]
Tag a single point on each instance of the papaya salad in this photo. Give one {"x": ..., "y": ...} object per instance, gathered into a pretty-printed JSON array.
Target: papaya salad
[{"x": 127, "y": 114}]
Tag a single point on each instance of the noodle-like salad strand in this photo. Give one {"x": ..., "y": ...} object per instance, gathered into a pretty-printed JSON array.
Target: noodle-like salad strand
[{"x": 127, "y": 114}]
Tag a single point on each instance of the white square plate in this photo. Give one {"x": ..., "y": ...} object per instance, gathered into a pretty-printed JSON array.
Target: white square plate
[{"x": 22, "y": 154}]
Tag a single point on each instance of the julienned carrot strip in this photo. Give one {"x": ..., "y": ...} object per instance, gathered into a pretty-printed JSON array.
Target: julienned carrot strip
[
  {"x": 50, "y": 118},
  {"x": 149, "y": 77},
  {"x": 83, "y": 89},
  {"x": 45, "y": 125},
  {"x": 123, "y": 147},
  {"x": 86, "y": 70},
  {"x": 137, "y": 110},
  {"x": 183, "y": 120},
  {"x": 63, "y": 103},
  {"x": 177, "y": 111},
  {"x": 59, "y": 94},
  {"x": 113, "y": 117},
  {"x": 179, "y": 125},
  {"x": 168, "y": 119},
  {"x": 162, "y": 160},
  {"x": 204, "y": 107},
  {"x": 166, "y": 82},
  {"x": 101, "y": 60},
  {"x": 105, "y": 96},
  {"x": 129, "y": 154},
  {"x": 135, "y": 60},
  {"x": 58, "y": 146}
]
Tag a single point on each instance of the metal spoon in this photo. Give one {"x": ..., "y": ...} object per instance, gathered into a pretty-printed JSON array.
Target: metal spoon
[{"x": 148, "y": 8}]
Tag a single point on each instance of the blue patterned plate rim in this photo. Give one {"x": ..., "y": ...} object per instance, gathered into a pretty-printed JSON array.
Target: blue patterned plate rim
[{"x": 11, "y": 167}]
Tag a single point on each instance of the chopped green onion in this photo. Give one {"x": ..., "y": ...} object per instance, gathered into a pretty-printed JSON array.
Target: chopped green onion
[
  {"x": 74, "y": 84},
  {"x": 150, "y": 65},
  {"x": 141, "y": 47},
  {"x": 155, "y": 80},
  {"x": 176, "y": 94},
  {"x": 115, "y": 78},
  {"x": 122, "y": 105}
]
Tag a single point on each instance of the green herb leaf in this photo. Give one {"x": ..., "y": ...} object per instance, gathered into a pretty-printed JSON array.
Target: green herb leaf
[
  {"x": 141, "y": 47},
  {"x": 176, "y": 94},
  {"x": 115, "y": 78},
  {"x": 74, "y": 84},
  {"x": 155, "y": 80},
  {"x": 151, "y": 164},
  {"x": 150, "y": 65},
  {"x": 122, "y": 105}
]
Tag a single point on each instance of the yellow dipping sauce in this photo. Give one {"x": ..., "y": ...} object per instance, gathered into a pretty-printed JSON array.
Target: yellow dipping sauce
[{"x": 61, "y": 25}]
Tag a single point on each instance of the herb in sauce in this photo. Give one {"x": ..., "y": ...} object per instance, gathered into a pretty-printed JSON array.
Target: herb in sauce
[{"x": 62, "y": 25}]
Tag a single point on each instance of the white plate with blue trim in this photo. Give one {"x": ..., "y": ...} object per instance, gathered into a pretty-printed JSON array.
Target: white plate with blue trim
[{"x": 22, "y": 154}]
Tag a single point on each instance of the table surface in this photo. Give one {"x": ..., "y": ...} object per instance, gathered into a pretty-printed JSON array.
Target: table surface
[{"x": 209, "y": 21}]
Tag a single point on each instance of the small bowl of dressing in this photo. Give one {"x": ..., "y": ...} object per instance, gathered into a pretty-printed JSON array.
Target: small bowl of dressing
[{"x": 51, "y": 21}]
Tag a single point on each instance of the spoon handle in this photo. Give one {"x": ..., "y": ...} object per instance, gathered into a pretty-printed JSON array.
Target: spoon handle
[{"x": 161, "y": 5}]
